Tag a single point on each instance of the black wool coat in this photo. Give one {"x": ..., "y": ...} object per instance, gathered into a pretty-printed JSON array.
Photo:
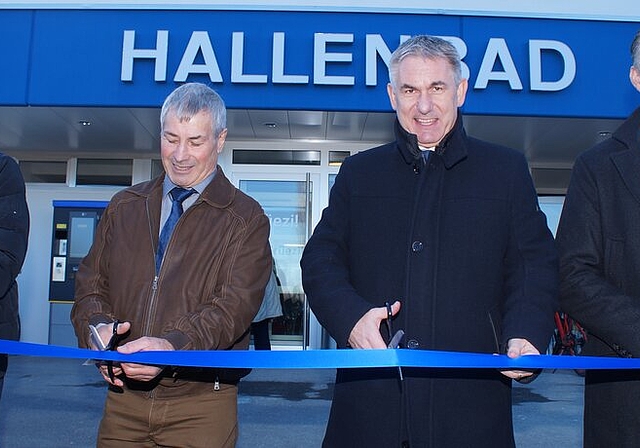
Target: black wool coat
[
  {"x": 461, "y": 242},
  {"x": 14, "y": 232},
  {"x": 599, "y": 246}
]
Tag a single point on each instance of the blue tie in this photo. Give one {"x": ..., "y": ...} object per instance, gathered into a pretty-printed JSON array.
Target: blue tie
[{"x": 178, "y": 195}]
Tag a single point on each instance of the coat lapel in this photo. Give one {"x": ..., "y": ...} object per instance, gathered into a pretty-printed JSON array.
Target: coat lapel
[{"x": 627, "y": 164}]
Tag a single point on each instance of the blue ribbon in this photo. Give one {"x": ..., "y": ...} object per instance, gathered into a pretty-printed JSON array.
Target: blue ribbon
[{"x": 323, "y": 359}]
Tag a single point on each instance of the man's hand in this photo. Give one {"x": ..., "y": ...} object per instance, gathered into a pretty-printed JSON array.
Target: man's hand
[
  {"x": 518, "y": 347},
  {"x": 143, "y": 372},
  {"x": 106, "y": 333},
  {"x": 366, "y": 332}
]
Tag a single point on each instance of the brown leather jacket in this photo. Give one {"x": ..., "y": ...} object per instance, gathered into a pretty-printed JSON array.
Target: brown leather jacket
[{"x": 211, "y": 282}]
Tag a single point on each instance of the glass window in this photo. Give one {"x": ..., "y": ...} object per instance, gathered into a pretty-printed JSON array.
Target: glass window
[
  {"x": 285, "y": 204},
  {"x": 337, "y": 157},
  {"x": 551, "y": 180},
  {"x": 332, "y": 180},
  {"x": 276, "y": 157},
  {"x": 104, "y": 172},
  {"x": 156, "y": 168},
  {"x": 44, "y": 172}
]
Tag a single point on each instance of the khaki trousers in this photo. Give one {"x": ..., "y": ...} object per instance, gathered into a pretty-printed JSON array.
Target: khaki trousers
[{"x": 195, "y": 421}]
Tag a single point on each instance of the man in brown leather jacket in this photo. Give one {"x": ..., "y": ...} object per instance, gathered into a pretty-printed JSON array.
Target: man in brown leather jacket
[{"x": 199, "y": 293}]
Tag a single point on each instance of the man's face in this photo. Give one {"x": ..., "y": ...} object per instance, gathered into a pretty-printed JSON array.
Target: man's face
[
  {"x": 426, "y": 98},
  {"x": 189, "y": 149}
]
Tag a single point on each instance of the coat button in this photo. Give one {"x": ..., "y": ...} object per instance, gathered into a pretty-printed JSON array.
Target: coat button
[
  {"x": 412, "y": 343},
  {"x": 417, "y": 246}
]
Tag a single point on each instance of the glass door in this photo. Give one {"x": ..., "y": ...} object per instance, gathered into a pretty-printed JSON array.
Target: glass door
[{"x": 287, "y": 203}]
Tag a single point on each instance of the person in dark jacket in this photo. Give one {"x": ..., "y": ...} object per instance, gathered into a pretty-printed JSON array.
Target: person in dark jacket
[
  {"x": 14, "y": 235},
  {"x": 447, "y": 230},
  {"x": 194, "y": 288},
  {"x": 599, "y": 246}
]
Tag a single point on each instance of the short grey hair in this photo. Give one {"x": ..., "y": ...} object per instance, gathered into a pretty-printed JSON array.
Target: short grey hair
[
  {"x": 426, "y": 47},
  {"x": 190, "y": 99},
  {"x": 635, "y": 51}
]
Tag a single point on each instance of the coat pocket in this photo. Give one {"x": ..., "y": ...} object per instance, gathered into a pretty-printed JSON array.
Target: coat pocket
[{"x": 614, "y": 264}]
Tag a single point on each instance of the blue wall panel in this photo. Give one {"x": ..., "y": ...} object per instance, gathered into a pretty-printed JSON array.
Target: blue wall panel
[{"x": 15, "y": 40}]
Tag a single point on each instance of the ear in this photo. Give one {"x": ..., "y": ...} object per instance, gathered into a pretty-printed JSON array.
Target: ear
[
  {"x": 462, "y": 91},
  {"x": 222, "y": 137},
  {"x": 392, "y": 96},
  {"x": 634, "y": 77}
]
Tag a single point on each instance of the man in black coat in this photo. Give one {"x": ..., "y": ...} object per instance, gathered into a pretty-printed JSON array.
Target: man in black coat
[
  {"x": 599, "y": 244},
  {"x": 447, "y": 230},
  {"x": 14, "y": 233}
]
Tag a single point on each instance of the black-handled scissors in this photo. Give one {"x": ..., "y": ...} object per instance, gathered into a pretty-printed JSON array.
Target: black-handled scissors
[
  {"x": 111, "y": 346},
  {"x": 394, "y": 341}
]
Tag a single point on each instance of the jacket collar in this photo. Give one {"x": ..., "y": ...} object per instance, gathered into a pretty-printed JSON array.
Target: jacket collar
[
  {"x": 629, "y": 132},
  {"x": 627, "y": 160},
  {"x": 219, "y": 193},
  {"x": 452, "y": 148}
]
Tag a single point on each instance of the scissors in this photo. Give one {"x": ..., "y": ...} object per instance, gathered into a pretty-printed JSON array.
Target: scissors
[
  {"x": 111, "y": 346},
  {"x": 394, "y": 342}
]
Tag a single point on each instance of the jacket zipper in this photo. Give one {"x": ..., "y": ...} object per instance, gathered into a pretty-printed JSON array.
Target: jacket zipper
[{"x": 154, "y": 284}]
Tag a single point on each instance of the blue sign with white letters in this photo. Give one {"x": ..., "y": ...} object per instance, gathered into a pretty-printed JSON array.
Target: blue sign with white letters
[{"x": 307, "y": 60}]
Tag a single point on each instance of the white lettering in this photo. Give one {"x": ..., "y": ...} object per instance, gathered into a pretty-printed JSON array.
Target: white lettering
[
  {"x": 535, "y": 65},
  {"x": 287, "y": 251},
  {"x": 199, "y": 42},
  {"x": 129, "y": 53},
  {"x": 277, "y": 68},
  {"x": 497, "y": 51},
  {"x": 321, "y": 57},
  {"x": 461, "y": 47},
  {"x": 374, "y": 47},
  {"x": 237, "y": 59},
  {"x": 199, "y": 57},
  {"x": 284, "y": 221}
]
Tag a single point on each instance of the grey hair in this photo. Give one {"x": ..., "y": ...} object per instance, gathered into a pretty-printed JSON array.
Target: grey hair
[
  {"x": 635, "y": 51},
  {"x": 426, "y": 47},
  {"x": 190, "y": 99}
]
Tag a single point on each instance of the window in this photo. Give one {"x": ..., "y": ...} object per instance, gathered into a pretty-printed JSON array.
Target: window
[
  {"x": 104, "y": 172},
  {"x": 276, "y": 157},
  {"x": 44, "y": 172}
]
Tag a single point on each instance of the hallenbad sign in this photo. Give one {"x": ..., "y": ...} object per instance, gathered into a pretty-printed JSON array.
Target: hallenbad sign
[
  {"x": 320, "y": 61},
  {"x": 199, "y": 57}
]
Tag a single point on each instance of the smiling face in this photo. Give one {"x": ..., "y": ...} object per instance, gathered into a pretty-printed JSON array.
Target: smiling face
[
  {"x": 189, "y": 149},
  {"x": 426, "y": 98}
]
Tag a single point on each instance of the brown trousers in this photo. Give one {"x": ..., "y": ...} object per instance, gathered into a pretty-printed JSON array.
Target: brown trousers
[{"x": 200, "y": 420}]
